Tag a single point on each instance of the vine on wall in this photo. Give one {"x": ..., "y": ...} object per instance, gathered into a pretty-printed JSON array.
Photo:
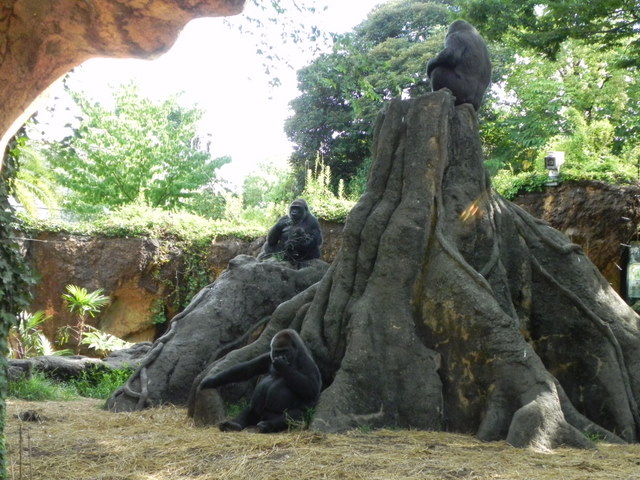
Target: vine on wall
[{"x": 15, "y": 280}]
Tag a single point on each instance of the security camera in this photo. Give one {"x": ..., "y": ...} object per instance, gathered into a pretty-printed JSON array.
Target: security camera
[
  {"x": 553, "y": 160},
  {"x": 552, "y": 163}
]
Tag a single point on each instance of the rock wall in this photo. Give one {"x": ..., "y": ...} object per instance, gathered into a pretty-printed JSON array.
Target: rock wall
[
  {"x": 601, "y": 218},
  {"x": 143, "y": 277}
]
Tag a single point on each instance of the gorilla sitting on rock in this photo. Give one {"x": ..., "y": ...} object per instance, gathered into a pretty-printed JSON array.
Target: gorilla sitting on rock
[
  {"x": 297, "y": 236},
  {"x": 290, "y": 387},
  {"x": 463, "y": 66}
]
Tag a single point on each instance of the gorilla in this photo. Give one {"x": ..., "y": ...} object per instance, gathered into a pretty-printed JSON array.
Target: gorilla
[
  {"x": 296, "y": 236},
  {"x": 463, "y": 66},
  {"x": 290, "y": 387}
]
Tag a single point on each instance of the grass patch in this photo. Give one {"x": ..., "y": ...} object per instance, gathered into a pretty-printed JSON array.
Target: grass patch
[
  {"x": 234, "y": 409},
  {"x": 100, "y": 383},
  {"x": 39, "y": 388},
  {"x": 95, "y": 383}
]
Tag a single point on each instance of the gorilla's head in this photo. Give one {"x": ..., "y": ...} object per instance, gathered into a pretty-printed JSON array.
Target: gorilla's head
[
  {"x": 298, "y": 210},
  {"x": 284, "y": 345}
]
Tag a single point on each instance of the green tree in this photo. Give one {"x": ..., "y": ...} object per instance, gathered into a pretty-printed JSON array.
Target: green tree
[
  {"x": 139, "y": 150},
  {"x": 269, "y": 184},
  {"x": 343, "y": 91},
  {"x": 541, "y": 99},
  {"x": 34, "y": 184},
  {"x": 546, "y": 25}
]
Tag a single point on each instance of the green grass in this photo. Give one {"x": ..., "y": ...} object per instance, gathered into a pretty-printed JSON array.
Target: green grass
[
  {"x": 234, "y": 409},
  {"x": 93, "y": 384},
  {"x": 40, "y": 388},
  {"x": 100, "y": 383}
]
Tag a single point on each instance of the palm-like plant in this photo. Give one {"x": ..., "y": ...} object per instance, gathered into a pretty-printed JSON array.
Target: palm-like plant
[
  {"x": 26, "y": 339},
  {"x": 85, "y": 305}
]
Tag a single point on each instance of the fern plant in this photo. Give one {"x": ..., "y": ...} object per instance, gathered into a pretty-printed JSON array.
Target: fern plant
[{"x": 85, "y": 305}]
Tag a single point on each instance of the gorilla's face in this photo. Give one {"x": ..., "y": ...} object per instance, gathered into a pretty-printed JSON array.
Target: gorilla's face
[
  {"x": 284, "y": 351},
  {"x": 296, "y": 213}
]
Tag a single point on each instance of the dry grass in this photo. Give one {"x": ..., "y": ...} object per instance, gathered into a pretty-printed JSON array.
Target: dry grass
[{"x": 76, "y": 440}]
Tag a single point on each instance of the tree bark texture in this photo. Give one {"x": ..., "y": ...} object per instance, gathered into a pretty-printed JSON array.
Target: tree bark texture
[
  {"x": 450, "y": 308},
  {"x": 40, "y": 40}
]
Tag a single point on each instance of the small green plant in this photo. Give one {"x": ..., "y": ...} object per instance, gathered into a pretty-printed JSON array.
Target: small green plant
[
  {"x": 509, "y": 184},
  {"x": 595, "y": 437},
  {"x": 85, "y": 305},
  {"x": 317, "y": 192},
  {"x": 365, "y": 428},
  {"x": 103, "y": 342},
  {"x": 303, "y": 423},
  {"x": 40, "y": 388},
  {"x": 26, "y": 338},
  {"x": 99, "y": 382},
  {"x": 234, "y": 409}
]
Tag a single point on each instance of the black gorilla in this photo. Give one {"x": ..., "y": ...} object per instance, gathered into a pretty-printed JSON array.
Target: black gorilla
[
  {"x": 291, "y": 385},
  {"x": 296, "y": 236},
  {"x": 463, "y": 66}
]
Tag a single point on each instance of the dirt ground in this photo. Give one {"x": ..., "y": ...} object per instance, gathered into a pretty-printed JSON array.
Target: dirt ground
[{"x": 78, "y": 441}]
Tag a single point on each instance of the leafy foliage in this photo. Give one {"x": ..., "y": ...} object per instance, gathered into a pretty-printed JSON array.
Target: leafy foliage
[
  {"x": 15, "y": 280},
  {"x": 545, "y": 26},
  {"x": 323, "y": 202},
  {"x": 509, "y": 185},
  {"x": 343, "y": 91},
  {"x": 266, "y": 193},
  {"x": 100, "y": 382},
  {"x": 85, "y": 304},
  {"x": 26, "y": 338},
  {"x": 137, "y": 150},
  {"x": 34, "y": 184},
  {"x": 94, "y": 383},
  {"x": 102, "y": 342},
  {"x": 143, "y": 221},
  {"x": 589, "y": 151},
  {"x": 543, "y": 99}
]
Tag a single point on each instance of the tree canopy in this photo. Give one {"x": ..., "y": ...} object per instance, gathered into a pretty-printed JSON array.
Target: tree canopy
[
  {"x": 577, "y": 92},
  {"x": 343, "y": 91},
  {"x": 546, "y": 25},
  {"x": 138, "y": 150}
]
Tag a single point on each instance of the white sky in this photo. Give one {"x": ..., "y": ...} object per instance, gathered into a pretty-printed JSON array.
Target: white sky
[{"x": 218, "y": 69}]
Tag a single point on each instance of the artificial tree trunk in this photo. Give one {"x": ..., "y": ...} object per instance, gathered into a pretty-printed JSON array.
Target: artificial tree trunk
[{"x": 450, "y": 308}]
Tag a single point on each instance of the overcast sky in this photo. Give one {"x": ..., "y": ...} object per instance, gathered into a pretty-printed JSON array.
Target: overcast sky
[{"x": 219, "y": 70}]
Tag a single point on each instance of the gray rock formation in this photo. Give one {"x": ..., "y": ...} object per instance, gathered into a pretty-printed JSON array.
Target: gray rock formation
[{"x": 230, "y": 310}]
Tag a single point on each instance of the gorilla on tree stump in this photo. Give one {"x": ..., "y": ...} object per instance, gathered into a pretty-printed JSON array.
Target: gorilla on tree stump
[
  {"x": 449, "y": 308},
  {"x": 289, "y": 388},
  {"x": 296, "y": 237},
  {"x": 463, "y": 66}
]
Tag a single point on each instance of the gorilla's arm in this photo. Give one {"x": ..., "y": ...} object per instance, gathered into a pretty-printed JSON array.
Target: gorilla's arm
[
  {"x": 303, "y": 379},
  {"x": 238, "y": 373},
  {"x": 313, "y": 237},
  {"x": 276, "y": 231},
  {"x": 315, "y": 232},
  {"x": 450, "y": 57}
]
